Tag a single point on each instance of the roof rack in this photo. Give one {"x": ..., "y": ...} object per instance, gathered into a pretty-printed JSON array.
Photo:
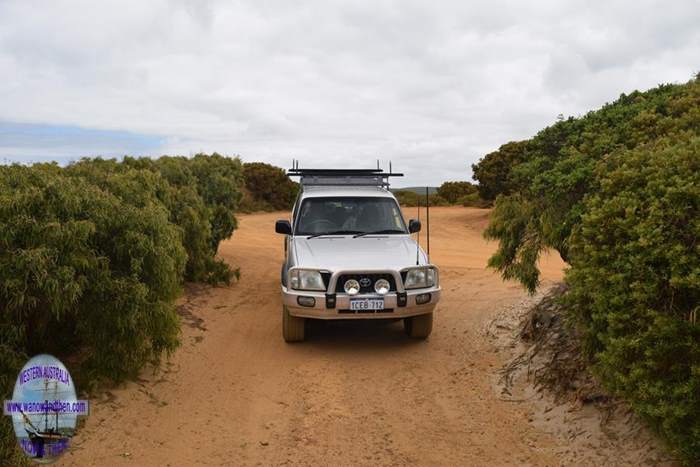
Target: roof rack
[{"x": 345, "y": 177}]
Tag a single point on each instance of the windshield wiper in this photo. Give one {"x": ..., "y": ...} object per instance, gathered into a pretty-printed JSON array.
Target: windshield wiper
[
  {"x": 377, "y": 232},
  {"x": 335, "y": 232}
]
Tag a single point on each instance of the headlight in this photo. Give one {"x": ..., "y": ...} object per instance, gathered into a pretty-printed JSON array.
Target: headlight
[
  {"x": 352, "y": 287},
  {"x": 418, "y": 278},
  {"x": 306, "y": 279},
  {"x": 382, "y": 286}
]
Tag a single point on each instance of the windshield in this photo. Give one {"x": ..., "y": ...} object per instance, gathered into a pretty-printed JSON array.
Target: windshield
[{"x": 324, "y": 216}]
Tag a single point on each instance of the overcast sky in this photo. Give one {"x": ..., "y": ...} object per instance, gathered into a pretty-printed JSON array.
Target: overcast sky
[{"x": 430, "y": 85}]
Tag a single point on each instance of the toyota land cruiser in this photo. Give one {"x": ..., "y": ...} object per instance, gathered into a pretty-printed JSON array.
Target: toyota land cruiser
[{"x": 349, "y": 255}]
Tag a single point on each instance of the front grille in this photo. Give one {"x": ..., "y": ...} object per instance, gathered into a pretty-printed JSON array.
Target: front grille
[{"x": 365, "y": 288}]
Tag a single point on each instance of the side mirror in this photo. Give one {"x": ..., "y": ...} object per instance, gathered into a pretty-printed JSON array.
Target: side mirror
[
  {"x": 414, "y": 226},
  {"x": 283, "y": 227}
]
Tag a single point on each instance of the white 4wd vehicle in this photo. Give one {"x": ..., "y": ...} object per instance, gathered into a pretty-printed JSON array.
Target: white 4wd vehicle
[{"x": 349, "y": 255}]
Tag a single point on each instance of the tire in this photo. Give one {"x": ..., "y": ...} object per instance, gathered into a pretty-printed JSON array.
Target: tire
[
  {"x": 418, "y": 327},
  {"x": 292, "y": 326}
]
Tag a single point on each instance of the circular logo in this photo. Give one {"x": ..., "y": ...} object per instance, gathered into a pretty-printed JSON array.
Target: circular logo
[
  {"x": 365, "y": 282},
  {"x": 44, "y": 408}
]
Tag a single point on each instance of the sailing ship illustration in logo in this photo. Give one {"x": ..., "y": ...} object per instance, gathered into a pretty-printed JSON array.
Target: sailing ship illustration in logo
[{"x": 44, "y": 408}]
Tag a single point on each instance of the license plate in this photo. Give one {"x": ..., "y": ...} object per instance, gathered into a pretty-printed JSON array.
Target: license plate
[{"x": 360, "y": 304}]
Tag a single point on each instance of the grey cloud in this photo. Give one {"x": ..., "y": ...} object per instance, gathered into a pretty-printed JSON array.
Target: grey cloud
[{"x": 430, "y": 85}]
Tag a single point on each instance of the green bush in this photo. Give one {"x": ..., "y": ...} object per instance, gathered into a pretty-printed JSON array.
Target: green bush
[
  {"x": 267, "y": 188},
  {"x": 250, "y": 204},
  {"x": 82, "y": 270},
  {"x": 615, "y": 192},
  {"x": 93, "y": 255},
  {"x": 407, "y": 198},
  {"x": 451, "y": 192},
  {"x": 83, "y": 275},
  {"x": 473, "y": 200},
  {"x": 202, "y": 195},
  {"x": 410, "y": 198},
  {"x": 494, "y": 170},
  {"x": 550, "y": 180},
  {"x": 219, "y": 181},
  {"x": 11, "y": 362},
  {"x": 635, "y": 281}
]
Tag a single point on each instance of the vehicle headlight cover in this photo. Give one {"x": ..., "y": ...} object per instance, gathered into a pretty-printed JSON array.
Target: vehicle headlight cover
[
  {"x": 351, "y": 286},
  {"x": 306, "y": 279},
  {"x": 419, "y": 278},
  {"x": 382, "y": 286}
]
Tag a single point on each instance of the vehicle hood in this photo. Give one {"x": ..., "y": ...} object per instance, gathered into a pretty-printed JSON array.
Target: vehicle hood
[{"x": 390, "y": 252}]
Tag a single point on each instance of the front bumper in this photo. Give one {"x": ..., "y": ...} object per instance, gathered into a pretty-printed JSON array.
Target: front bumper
[{"x": 341, "y": 310}]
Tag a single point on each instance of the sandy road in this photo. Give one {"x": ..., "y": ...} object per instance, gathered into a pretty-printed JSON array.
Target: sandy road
[{"x": 354, "y": 393}]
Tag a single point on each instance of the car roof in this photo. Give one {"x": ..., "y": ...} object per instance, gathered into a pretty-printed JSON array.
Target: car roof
[{"x": 344, "y": 191}]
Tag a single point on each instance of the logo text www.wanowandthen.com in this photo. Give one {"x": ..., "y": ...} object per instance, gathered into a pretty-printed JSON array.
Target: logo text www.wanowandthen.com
[{"x": 44, "y": 408}]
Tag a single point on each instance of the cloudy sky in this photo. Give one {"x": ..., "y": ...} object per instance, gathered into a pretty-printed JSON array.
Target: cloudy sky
[{"x": 430, "y": 85}]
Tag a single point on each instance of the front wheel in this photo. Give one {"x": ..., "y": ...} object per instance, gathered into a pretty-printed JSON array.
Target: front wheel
[
  {"x": 419, "y": 327},
  {"x": 292, "y": 326}
]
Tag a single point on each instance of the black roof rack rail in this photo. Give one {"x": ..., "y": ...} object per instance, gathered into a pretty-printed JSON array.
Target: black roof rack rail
[{"x": 344, "y": 177}]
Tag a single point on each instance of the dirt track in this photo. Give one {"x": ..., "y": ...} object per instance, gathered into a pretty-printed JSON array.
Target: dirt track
[{"x": 354, "y": 393}]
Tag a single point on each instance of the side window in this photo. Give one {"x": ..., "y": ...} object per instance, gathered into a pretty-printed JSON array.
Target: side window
[{"x": 396, "y": 215}]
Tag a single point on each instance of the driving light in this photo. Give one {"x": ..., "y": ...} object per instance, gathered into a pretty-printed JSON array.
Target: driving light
[
  {"x": 352, "y": 287},
  {"x": 418, "y": 278},
  {"x": 382, "y": 286},
  {"x": 422, "y": 299},
  {"x": 306, "y": 301},
  {"x": 306, "y": 279}
]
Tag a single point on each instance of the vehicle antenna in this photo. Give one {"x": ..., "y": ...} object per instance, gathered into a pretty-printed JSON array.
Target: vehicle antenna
[
  {"x": 390, "y": 167},
  {"x": 427, "y": 219},
  {"x": 418, "y": 237}
]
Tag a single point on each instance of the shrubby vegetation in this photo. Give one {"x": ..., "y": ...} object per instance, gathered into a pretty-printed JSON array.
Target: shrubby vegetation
[
  {"x": 203, "y": 195},
  {"x": 494, "y": 170},
  {"x": 410, "y": 198},
  {"x": 92, "y": 257},
  {"x": 449, "y": 193},
  {"x": 635, "y": 280},
  {"x": 267, "y": 188},
  {"x": 453, "y": 191},
  {"x": 617, "y": 194}
]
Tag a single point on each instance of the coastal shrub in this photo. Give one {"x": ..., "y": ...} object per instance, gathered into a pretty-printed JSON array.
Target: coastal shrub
[
  {"x": 447, "y": 194},
  {"x": 202, "y": 195},
  {"x": 219, "y": 182},
  {"x": 473, "y": 200},
  {"x": 555, "y": 171},
  {"x": 410, "y": 198},
  {"x": 11, "y": 361},
  {"x": 616, "y": 193},
  {"x": 84, "y": 272},
  {"x": 494, "y": 170},
  {"x": 451, "y": 192},
  {"x": 635, "y": 283},
  {"x": 267, "y": 188},
  {"x": 92, "y": 257}
]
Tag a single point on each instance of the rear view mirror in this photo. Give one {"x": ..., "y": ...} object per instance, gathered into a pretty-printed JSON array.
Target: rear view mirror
[
  {"x": 414, "y": 226},
  {"x": 283, "y": 227}
]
